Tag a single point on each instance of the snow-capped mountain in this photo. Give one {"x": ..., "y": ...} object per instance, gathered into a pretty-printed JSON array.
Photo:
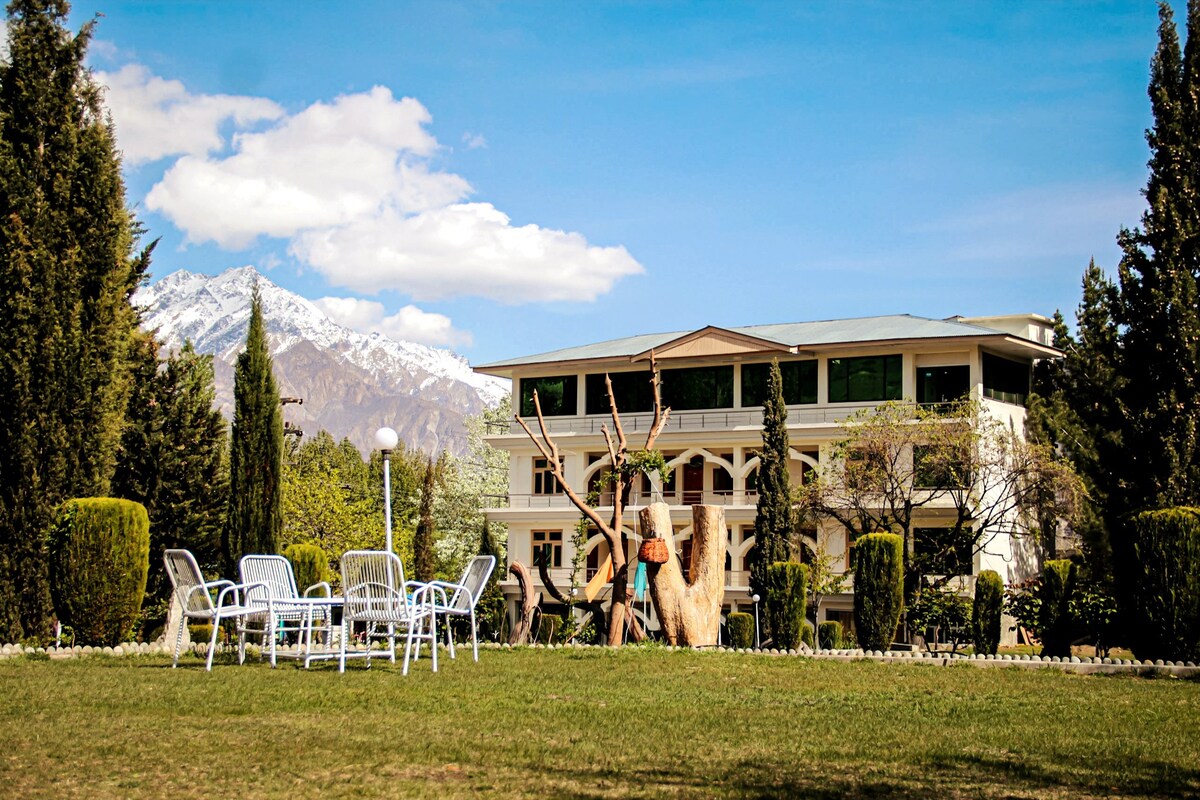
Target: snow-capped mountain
[{"x": 351, "y": 383}]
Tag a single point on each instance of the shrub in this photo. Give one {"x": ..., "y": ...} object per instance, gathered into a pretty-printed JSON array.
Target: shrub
[
  {"x": 829, "y": 635},
  {"x": 741, "y": 629},
  {"x": 986, "y": 611},
  {"x": 806, "y": 634},
  {"x": 1166, "y": 586},
  {"x": 787, "y": 595},
  {"x": 310, "y": 564},
  {"x": 1055, "y": 625},
  {"x": 878, "y": 589},
  {"x": 99, "y": 557},
  {"x": 548, "y": 629},
  {"x": 940, "y": 615}
]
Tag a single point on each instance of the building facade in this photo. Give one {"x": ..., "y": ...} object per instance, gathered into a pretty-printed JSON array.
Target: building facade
[{"x": 714, "y": 380}]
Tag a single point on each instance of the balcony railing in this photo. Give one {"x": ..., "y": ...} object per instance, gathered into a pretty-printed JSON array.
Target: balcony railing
[
  {"x": 686, "y": 420},
  {"x": 674, "y": 498}
]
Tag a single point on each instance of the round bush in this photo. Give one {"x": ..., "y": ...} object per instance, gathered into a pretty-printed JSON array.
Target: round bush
[
  {"x": 986, "y": 611},
  {"x": 309, "y": 563},
  {"x": 787, "y": 595},
  {"x": 741, "y": 629},
  {"x": 878, "y": 589},
  {"x": 1166, "y": 590},
  {"x": 829, "y": 635},
  {"x": 99, "y": 557}
]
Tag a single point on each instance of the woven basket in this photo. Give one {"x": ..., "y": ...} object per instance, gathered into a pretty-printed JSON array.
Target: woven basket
[{"x": 653, "y": 551}]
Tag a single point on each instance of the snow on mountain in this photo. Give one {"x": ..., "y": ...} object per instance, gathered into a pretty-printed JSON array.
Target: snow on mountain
[{"x": 351, "y": 383}]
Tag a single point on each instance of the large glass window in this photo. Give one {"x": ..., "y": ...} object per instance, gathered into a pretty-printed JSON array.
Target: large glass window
[
  {"x": 940, "y": 468},
  {"x": 799, "y": 382},
  {"x": 943, "y": 384},
  {"x": 940, "y": 551},
  {"x": 698, "y": 387},
  {"x": 557, "y": 395},
  {"x": 872, "y": 379},
  {"x": 632, "y": 391},
  {"x": 544, "y": 481},
  {"x": 1004, "y": 380},
  {"x": 547, "y": 546}
]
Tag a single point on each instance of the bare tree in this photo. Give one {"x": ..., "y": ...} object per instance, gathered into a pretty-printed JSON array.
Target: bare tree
[{"x": 627, "y": 466}]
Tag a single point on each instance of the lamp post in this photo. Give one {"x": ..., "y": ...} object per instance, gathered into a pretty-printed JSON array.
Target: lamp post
[
  {"x": 387, "y": 439},
  {"x": 757, "y": 640}
]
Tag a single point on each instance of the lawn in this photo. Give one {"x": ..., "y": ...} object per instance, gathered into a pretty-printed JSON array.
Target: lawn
[{"x": 591, "y": 723}]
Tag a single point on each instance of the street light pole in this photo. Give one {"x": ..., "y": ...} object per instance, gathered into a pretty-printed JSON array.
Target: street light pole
[
  {"x": 387, "y": 439},
  {"x": 757, "y": 637}
]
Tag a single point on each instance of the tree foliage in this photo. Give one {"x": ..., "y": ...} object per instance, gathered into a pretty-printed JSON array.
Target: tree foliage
[
  {"x": 773, "y": 517},
  {"x": 424, "y": 564},
  {"x": 878, "y": 589},
  {"x": 68, "y": 267}
]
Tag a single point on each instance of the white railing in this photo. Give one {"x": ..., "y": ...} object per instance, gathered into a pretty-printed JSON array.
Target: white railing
[
  {"x": 687, "y": 420},
  {"x": 636, "y": 499}
]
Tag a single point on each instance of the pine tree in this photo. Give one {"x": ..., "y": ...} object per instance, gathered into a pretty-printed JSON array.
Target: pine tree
[
  {"x": 255, "y": 518},
  {"x": 423, "y": 559},
  {"x": 773, "y": 521},
  {"x": 490, "y": 611},
  {"x": 68, "y": 268}
]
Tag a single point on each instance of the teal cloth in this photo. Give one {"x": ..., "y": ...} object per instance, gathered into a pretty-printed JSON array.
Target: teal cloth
[{"x": 640, "y": 581}]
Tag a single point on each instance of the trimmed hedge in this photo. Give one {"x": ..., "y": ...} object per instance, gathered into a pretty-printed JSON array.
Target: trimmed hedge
[
  {"x": 1055, "y": 624},
  {"x": 878, "y": 589},
  {"x": 99, "y": 558},
  {"x": 829, "y": 635},
  {"x": 787, "y": 596},
  {"x": 310, "y": 564},
  {"x": 986, "y": 611},
  {"x": 1166, "y": 586},
  {"x": 741, "y": 629},
  {"x": 806, "y": 635}
]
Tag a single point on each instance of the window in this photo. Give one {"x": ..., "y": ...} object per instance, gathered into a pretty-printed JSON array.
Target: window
[
  {"x": 547, "y": 546},
  {"x": 871, "y": 379},
  {"x": 697, "y": 388},
  {"x": 940, "y": 551},
  {"x": 1004, "y": 380},
  {"x": 940, "y": 468},
  {"x": 633, "y": 392},
  {"x": 557, "y": 395},
  {"x": 799, "y": 382},
  {"x": 544, "y": 481},
  {"x": 943, "y": 384}
]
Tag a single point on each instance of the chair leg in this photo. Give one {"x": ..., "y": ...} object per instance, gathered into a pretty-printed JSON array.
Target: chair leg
[
  {"x": 474, "y": 635},
  {"x": 212, "y": 645},
  {"x": 433, "y": 641},
  {"x": 178, "y": 641},
  {"x": 408, "y": 646},
  {"x": 345, "y": 636},
  {"x": 392, "y": 641},
  {"x": 449, "y": 636}
]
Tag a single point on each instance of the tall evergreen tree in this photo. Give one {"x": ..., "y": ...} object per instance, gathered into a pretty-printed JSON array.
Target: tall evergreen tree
[
  {"x": 424, "y": 563},
  {"x": 68, "y": 268},
  {"x": 773, "y": 520},
  {"x": 255, "y": 518}
]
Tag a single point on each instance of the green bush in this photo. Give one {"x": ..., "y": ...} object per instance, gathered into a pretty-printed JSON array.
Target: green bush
[
  {"x": 986, "y": 611},
  {"x": 787, "y": 595},
  {"x": 829, "y": 635},
  {"x": 741, "y": 629},
  {"x": 1166, "y": 587},
  {"x": 99, "y": 557},
  {"x": 1055, "y": 625},
  {"x": 548, "y": 629},
  {"x": 806, "y": 634},
  {"x": 878, "y": 589},
  {"x": 310, "y": 564}
]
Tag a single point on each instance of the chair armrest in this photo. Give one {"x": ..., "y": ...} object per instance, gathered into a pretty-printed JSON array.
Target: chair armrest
[
  {"x": 457, "y": 587},
  {"x": 322, "y": 585},
  {"x": 237, "y": 589}
]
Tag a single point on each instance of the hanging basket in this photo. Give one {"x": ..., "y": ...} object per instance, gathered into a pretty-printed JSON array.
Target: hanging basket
[{"x": 653, "y": 551}]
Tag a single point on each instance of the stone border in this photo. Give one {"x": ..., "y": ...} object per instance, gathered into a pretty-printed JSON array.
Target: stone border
[{"x": 1081, "y": 666}]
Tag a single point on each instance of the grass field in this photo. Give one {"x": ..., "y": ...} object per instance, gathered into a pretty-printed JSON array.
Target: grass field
[{"x": 591, "y": 723}]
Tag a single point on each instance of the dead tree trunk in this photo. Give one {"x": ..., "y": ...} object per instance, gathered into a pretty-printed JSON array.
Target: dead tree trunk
[
  {"x": 689, "y": 611},
  {"x": 529, "y": 601}
]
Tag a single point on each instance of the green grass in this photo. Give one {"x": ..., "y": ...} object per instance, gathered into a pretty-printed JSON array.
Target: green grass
[{"x": 591, "y": 723}]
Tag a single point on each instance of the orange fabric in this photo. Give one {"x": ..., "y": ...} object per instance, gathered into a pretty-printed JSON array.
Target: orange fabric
[{"x": 603, "y": 576}]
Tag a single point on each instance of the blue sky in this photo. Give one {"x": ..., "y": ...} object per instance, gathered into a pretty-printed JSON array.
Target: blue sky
[{"x": 513, "y": 178}]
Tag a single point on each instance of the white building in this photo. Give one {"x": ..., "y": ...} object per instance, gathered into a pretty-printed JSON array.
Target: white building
[{"x": 713, "y": 379}]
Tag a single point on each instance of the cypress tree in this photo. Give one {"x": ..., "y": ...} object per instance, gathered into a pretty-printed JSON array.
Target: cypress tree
[
  {"x": 423, "y": 560},
  {"x": 773, "y": 520},
  {"x": 68, "y": 269},
  {"x": 255, "y": 519},
  {"x": 490, "y": 610}
]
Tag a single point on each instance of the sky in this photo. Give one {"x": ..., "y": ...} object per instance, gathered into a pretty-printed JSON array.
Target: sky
[{"x": 511, "y": 178}]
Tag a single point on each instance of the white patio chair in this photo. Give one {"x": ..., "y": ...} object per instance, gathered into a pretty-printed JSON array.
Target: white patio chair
[
  {"x": 278, "y": 602},
  {"x": 375, "y": 593},
  {"x": 197, "y": 602},
  {"x": 466, "y": 596}
]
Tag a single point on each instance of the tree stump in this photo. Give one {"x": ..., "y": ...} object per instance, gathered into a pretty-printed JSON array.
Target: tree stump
[
  {"x": 689, "y": 611},
  {"x": 529, "y": 601}
]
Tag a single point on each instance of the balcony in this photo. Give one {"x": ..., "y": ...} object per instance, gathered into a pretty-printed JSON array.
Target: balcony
[{"x": 635, "y": 499}]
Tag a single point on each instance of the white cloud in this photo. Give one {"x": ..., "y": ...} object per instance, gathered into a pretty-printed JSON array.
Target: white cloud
[
  {"x": 474, "y": 141},
  {"x": 408, "y": 324},
  {"x": 465, "y": 248},
  {"x": 156, "y": 118}
]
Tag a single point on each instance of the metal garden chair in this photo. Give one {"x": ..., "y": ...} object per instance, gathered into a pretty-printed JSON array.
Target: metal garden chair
[
  {"x": 466, "y": 596},
  {"x": 195, "y": 597},
  {"x": 376, "y": 594},
  {"x": 279, "y": 605}
]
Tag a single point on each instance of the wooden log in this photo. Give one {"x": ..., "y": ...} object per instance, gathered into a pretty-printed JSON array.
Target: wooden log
[
  {"x": 529, "y": 602},
  {"x": 689, "y": 611}
]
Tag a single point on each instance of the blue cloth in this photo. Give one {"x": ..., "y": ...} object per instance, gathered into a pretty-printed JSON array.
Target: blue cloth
[{"x": 640, "y": 581}]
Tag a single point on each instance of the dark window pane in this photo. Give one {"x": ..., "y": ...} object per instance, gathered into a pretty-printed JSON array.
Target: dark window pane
[
  {"x": 799, "y": 382},
  {"x": 699, "y": 387},
  {"x": 871, "y": 379},
  {"x": 632, "y": 391},
  {"x": 939, "y": 551},
  {"x": 557, "y": 395},
  {"x": 1004, "y": 380},
  {"x": 943, "y": 384}
]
